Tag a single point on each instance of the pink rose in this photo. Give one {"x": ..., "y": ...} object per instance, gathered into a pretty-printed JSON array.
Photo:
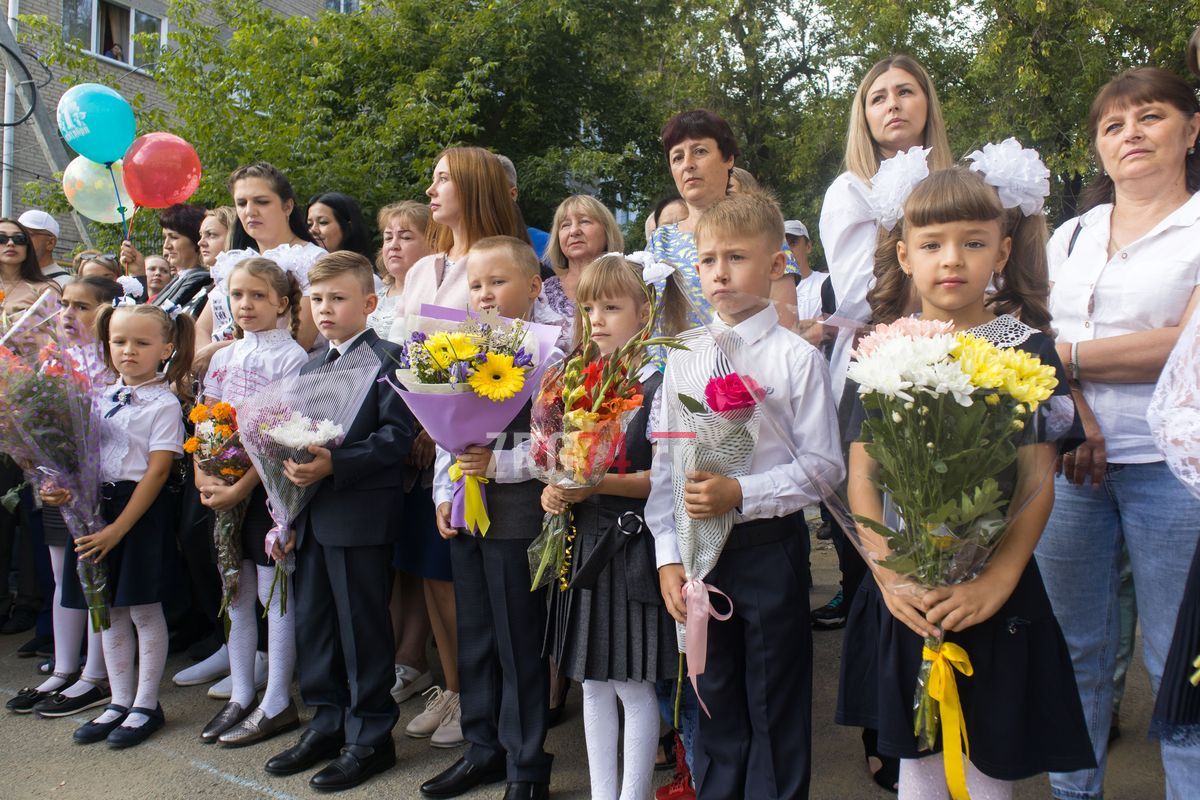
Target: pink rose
[{"x": 733, "y": 392}]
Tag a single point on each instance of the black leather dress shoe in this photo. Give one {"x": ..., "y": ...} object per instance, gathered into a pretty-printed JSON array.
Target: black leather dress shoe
[
  {"x": 304, "y": 754},
  {"x": 460, "y": 778},
  {"x": 354, "y": 765},
  {"x": 524, "y": 790}
]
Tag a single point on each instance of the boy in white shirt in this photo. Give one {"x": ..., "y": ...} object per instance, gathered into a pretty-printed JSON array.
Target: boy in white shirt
[{"x": 757, "y": 683}]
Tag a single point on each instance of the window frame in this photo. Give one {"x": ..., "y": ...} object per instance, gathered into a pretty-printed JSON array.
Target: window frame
[{"x": 92, "y": 47}]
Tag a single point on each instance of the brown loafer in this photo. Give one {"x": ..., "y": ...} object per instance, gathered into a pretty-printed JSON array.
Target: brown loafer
[
  {"x": 259, "y": 727},
  {"x": 231, "y": 714}
]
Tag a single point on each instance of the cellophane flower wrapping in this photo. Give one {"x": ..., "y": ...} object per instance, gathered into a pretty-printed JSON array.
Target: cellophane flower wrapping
[
  {"x": 577, "y": 431},
  {"x": 282, "y": 419},
  {"x": 946, "y": 414},
  {"x": 217, "y": 447},
  {"x": 50, "y": 424},
  {"x": 465, "y": 376}
]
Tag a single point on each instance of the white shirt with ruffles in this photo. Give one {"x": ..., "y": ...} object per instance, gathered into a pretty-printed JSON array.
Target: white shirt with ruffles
[
  {"x": 252, "y": 362},
  {"x": 135, "y": 422},
  {"x": 295, "y": 259}
]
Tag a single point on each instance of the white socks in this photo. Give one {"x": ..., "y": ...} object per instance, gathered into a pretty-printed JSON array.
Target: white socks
[
  {"x": 243, "y": 639},
  {"x": 118, "y": 657},
  {"x": 925, "y": 779},
  {"x": 601, "y": 730},
  {"x": 281, "y": 643}
]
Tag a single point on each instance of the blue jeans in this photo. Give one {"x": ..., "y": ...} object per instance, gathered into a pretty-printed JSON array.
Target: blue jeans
[{"x": 1147, "y": 509}]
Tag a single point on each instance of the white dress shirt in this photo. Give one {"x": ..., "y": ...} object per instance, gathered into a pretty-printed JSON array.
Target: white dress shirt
[
  {"x": 849, "y": 232},
  {"x": 250, "y": 363},
  {"x": 800, "y": 443},
  {"x": 146, "y": 419},
  {"x": 808, "y": 295},
  {"x": 1145, "y": 286}
]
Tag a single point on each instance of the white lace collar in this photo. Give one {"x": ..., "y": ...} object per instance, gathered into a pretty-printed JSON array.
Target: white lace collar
[
  {"x": 1004, "y": 331},
  {"x": 268, "y": 339}
]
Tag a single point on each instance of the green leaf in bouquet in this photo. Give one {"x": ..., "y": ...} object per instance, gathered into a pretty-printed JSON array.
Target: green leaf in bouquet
[
  {"x": 692, "y": 404},
  {"x": 940, "y": 467},
  {"x": 875, "y": 526},
  {"x": 903, "y": 564}
]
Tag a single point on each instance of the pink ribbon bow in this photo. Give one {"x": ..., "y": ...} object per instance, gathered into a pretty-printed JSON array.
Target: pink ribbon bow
[
  {"x": 699, "y": 609},
  {"x": 280, "y": 532}
]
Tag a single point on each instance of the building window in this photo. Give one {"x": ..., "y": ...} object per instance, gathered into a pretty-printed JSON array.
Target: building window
[
  {"x": 342, "y": 6},
  {"x": 109, "y": 29}
]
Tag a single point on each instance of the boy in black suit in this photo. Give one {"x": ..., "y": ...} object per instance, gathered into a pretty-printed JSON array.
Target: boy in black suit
[
  {"x": 505, "y": 678},
  {"x": 343, "y": 544}
]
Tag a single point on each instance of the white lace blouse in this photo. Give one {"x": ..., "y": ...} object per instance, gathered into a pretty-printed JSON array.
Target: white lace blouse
[
  {"x": 135, "y": 422},
  {"x": 295, "y": 259},
  {"x": 1174, "y": 413},
  {"x": 250, "y": 363}
]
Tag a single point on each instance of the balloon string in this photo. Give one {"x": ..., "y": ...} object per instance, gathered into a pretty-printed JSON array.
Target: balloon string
[{"x": 120, "y": 207}]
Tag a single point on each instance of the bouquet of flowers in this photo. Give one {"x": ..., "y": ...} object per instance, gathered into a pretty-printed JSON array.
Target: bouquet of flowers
[
  {"x": 49, "y": 423},
  {"x": 465, "y": 377},
  {"x": 283, "y": 419},
  {"x": 578, "y": 422},
  {"x": 945, "y": 415},
  {"x": 219, "y": 452}
]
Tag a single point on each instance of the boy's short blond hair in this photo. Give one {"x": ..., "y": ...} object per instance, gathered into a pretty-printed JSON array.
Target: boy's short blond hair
[
  {"x": 751, "y": 213},
  {"x": 343, "y": 262},
  {"x": 519, "y": 253}
]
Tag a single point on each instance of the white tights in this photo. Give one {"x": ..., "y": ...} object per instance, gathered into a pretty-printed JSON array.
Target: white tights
[
  {"x": 151, "y": 659},
  {"x": 925, "y": 779},
  {"x": 243, "y": 641},
  {"x": 601, "y": 730},
  {"x": 69, "y": 626}
]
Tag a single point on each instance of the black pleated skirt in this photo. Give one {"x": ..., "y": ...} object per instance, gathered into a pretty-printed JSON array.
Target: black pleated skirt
[
  {"x": 618, "y": 629},
  {"x": 1176, "y": 717},
  {"x": 1022, "y": 709},
  {"x": 255, "y": 526},
  {"x": 140, "y": 564},
  {"x": 54, "y": 527}
]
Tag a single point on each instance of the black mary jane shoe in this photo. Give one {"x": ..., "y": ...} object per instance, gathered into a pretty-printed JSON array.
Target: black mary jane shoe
[
  {"x": 92, "y": 732},
  {"x": 312, "y": 748},
  {"x": 123, "y": 736},
  {"x": 354, "y": 765},
  {"x": 461, "y": 777},
  {"x": 526, "y": 790}
]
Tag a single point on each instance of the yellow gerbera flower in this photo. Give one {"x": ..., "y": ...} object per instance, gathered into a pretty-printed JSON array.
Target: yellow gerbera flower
[
  {"x": 222, "y": 411},
  {"x": 446, "y": 348},
  {"x": 496, "y": 378},
  {"x": 198, "y": 414}
]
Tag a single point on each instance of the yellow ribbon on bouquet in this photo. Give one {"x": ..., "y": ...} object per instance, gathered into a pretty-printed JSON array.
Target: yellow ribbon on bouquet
[
  {"x": 944, "y": 690},
  {"x": 475, "y": 514}
]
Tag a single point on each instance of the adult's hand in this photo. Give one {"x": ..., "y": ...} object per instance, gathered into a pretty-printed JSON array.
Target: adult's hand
[{"x": 1087, "y": 462}]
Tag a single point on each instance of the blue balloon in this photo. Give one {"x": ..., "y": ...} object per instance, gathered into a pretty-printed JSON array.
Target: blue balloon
[{"x": 96, "y": 122}]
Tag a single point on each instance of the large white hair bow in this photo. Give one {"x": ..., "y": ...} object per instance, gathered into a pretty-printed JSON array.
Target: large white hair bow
[
  {"x": 131, "y": 287},
  {"x": 894, "y": 182},
  {"x": 1020, "y": 177},
  {"x": 653, "y": 270}
]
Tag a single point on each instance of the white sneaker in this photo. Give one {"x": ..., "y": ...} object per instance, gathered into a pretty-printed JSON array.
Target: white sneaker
[
  {"x": 223, "y": 689},
  {"x": 409, "y": 682},
  {"x": 449, "y": 733},
  {"x": 438, "y": 703},
  {"x": 210, "y": 669}
]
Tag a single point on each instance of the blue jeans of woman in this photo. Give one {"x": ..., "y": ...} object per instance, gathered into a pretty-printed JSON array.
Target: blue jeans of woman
[{"x": 1144, "y": 507}]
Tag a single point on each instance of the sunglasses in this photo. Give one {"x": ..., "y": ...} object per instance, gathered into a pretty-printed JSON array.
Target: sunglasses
[{"x": 16, "y": 238}]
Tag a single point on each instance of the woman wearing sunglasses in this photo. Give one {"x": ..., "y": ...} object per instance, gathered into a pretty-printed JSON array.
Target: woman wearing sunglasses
[{"x": 21, "y": 279}]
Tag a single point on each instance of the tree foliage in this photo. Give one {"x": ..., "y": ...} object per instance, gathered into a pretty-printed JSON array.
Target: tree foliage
[{"x": 576, "y": 91}]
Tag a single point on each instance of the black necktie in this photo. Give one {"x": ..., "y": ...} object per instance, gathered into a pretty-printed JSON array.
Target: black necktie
[{"x": 333, "y": 355}]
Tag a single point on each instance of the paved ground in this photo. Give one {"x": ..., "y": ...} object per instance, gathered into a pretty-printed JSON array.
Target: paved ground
[{"x": 40, "y": 760}]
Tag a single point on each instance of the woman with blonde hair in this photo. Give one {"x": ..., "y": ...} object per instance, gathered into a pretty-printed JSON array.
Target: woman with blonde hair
[
  {"x": 583, "y": 230},
  {"x": 403, "y": 228},
  {"x": 894, "y": 109}
]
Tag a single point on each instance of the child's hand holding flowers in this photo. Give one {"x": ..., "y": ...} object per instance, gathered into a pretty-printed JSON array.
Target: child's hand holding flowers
[
  {"x": 709, "y": 494},
  {"x": 477, "y": 462}
]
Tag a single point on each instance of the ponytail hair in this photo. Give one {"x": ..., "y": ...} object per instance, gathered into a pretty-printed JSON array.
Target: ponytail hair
[
  {"x": 180, "y": 332},
  {"x": 961, "y": 195},
  {"x": 282, "y": 283}
]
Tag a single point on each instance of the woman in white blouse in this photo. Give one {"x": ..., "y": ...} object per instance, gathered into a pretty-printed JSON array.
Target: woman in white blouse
[{"x": 1124, "y": 282}]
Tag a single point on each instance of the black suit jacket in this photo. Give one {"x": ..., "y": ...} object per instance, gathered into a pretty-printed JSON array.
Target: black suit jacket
[{"x": 362, "y": 502}]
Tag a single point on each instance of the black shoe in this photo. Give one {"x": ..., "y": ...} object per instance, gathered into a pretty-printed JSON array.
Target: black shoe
[
  {"x": 62, "y": 706},
  {"x": 462, "y": 777},
  {"x": 524, "y": 790},
  {"x": 354, "y": 765},
  {"x": 92, "y": 732},
  {"x": 22, "y": 619},
  {"x": 37, "y": 646},
  {"x": 123, "y": 737},
  {"x": 831, "y": 615},
  {"x": 27, "y": 698},
  {"x": 311, "y": 748}
]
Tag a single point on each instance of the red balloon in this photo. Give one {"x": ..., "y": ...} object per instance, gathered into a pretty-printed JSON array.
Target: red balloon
[{"x": 161, "y": 170}]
